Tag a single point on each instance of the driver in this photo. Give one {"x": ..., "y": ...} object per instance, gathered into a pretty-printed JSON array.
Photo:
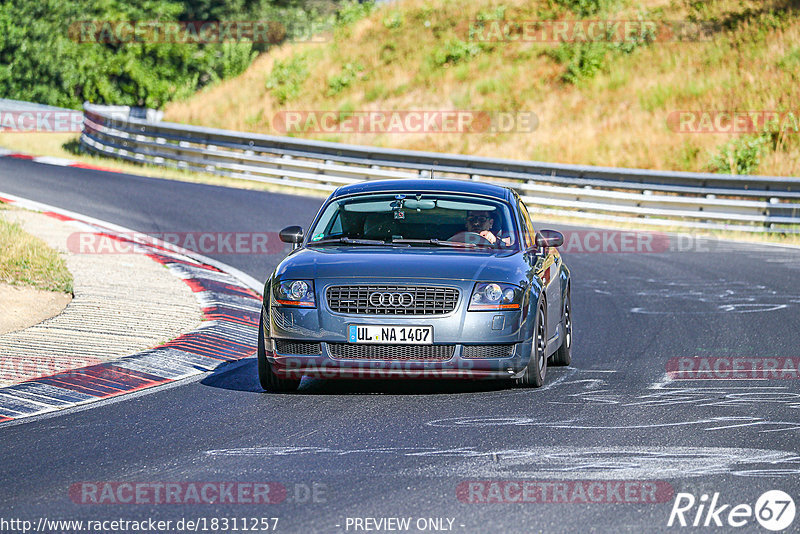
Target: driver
[{"x": 481, "y": 223}]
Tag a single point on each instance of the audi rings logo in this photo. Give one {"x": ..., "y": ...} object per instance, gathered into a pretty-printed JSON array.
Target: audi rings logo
[{"x": 394, "y": 300}]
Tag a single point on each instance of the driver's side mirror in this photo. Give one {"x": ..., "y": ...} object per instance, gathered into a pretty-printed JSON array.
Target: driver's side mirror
[
  {"x": 549, "y": 238},
  {"x": 293, "y": 235}
]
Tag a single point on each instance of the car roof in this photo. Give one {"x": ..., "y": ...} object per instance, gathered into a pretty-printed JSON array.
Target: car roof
[{"x": 438, "y": 185}]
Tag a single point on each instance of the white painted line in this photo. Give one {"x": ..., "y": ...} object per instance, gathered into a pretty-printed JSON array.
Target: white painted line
[{"x": 52, "y": 160}]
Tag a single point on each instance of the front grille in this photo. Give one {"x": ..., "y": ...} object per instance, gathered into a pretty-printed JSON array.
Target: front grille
[
  {"x": 487, "y": 351},
  {"x": 347, "y": 351},
  {"x": 426, "y": 300},
  {"x": 288, "y": 346}
]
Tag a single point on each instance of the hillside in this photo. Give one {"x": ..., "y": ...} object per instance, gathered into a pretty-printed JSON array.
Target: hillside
[{"x": 601, "y": 103}]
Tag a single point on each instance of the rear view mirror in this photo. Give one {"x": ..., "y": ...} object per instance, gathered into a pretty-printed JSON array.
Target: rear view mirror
[
  {"x": 292, "y": 234},
  {"x": 549, "y": 238}
]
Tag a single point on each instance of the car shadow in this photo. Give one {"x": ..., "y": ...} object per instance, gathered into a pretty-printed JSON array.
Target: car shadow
[
  {"x": 244, "y": 377},
  {"x": 237, "y": 376}
]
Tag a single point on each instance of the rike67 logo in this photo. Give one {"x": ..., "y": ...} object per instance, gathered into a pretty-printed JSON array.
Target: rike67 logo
[{"x": 774, "y": 510}]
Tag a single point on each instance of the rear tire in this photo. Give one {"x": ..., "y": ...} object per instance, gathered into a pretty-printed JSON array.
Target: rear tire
[
  {"x": 537, "y": 367},
  {"x": 563, "y": 356},
  {"x": 268, "y": 379}
]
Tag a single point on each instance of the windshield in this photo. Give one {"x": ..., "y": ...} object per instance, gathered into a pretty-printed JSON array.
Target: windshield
[{"x": 412, "y": 219}]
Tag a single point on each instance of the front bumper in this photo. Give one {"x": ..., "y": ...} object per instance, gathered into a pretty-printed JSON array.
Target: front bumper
[
  {"x": 326, "y": 330},
  {"x": 325, "y": 365}
]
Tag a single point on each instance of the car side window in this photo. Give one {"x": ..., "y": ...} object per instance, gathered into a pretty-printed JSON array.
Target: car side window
[
  {"x": 528, "y": 232},
  {"x": 336, "y": 225}
]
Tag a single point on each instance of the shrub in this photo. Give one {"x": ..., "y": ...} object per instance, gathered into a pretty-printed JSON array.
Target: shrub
[
  {"x": 42, "y": 58},
  {"x": 339, "y": 82},
  {"x": 741, "y": 155},
  {"x": 353, "y": 11},
  {"x": 286, "y": 78},
  {"x": 454, "y": 51},
  {"x": 393, "y": 20},
  {"x": 586, "y": 8},
  {"x": 585, "y": 60}
]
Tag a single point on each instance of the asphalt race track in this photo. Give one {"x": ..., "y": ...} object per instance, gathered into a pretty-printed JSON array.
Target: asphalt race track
[{"x": 380, "y": 449}]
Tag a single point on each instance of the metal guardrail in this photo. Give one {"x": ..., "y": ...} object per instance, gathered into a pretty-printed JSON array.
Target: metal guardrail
[
  {"x": 7, "y": 104},
  {"x": 693, "y": 200}
]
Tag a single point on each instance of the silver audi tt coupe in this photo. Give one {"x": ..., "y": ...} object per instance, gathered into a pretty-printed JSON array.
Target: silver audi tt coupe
[{"x": 417, "y": 279}]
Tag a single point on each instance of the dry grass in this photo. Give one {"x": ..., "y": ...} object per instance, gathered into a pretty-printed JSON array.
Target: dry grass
[
  {"x": 26, "y": 260},
  {"x": 617, "y": 118}
]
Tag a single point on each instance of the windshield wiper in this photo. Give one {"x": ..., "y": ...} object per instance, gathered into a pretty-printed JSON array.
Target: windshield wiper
[
  {"x": 436, "y": 242},
  {"x": 349, "y": 241}
]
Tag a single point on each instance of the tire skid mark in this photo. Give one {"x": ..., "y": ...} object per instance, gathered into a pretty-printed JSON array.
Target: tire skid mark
[
  {"x": 697, "y": 297},
  {"x": 604, "y": 463}
]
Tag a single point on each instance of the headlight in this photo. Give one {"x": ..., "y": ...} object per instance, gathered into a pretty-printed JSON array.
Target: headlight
[
  {"x": 495, "y": 296},
  {"x": 295, "y": 293}
]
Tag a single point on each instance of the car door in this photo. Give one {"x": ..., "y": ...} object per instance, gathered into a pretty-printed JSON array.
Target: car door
[{"x": 547, "y": 268}]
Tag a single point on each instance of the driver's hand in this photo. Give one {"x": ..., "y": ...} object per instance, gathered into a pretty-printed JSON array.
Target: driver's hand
[{"x": 489, "y": 236}]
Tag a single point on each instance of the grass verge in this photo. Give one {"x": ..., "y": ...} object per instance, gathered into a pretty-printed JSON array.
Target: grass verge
[{"x": 26, "y": 260}]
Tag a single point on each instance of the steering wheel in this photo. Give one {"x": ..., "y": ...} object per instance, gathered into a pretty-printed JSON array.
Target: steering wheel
[{"x": 471, "y": 237}]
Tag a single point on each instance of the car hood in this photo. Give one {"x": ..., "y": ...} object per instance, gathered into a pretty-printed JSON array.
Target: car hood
[{"x": 402, "y": 262}]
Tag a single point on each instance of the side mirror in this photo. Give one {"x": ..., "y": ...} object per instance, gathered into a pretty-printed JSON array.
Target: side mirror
[
  {"x": 549, "y": 238},
  {"x": 293, "y": 235}
]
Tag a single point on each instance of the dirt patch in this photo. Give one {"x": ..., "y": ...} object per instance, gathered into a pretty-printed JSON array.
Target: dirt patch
[{"x": 21, "y": 307}]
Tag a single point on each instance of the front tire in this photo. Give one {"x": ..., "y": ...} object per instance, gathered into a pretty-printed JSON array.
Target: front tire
[
  {"x": 266, "y": 376},
  {"x": 563, "y": 356},
  {"x": 537, "y": 367}
]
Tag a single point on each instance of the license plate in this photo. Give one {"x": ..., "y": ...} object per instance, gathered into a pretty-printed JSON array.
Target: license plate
[{"x": 416, "y": 335}]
